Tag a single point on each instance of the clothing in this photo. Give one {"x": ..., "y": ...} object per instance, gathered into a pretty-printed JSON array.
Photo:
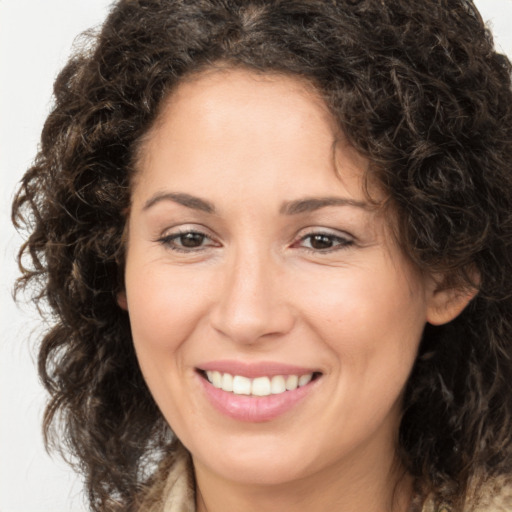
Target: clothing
[{"x": 179, "y": 494}]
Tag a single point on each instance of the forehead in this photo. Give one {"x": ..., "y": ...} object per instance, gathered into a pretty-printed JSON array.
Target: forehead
[
  {"x": 209, "y": 86},
  {"x": 252, "y": 121},
  {"x": 218, "y": 101}
]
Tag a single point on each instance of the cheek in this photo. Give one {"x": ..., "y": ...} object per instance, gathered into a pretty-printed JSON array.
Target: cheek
[
  {"x": 369, "y": 302},
  {"x": 372, "y": 322},
  {"x": 164, "y": 306}
]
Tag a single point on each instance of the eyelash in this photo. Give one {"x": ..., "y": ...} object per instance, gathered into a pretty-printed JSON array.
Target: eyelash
[
  {"x": 339, "y": 242},
  {"x": 169, "y": 241}
]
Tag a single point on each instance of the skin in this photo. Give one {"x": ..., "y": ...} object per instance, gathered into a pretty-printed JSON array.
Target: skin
[{"x": 257, "y": 287}]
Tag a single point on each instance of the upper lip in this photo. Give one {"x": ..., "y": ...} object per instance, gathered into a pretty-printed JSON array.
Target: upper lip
[{"x": 255, "y": 369}]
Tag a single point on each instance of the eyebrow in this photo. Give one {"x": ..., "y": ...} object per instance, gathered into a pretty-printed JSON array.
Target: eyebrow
[
  {"x": 295, "y": 207},
  {"x": 311, "y": 204},
  {"x": 180, "y": 198}
]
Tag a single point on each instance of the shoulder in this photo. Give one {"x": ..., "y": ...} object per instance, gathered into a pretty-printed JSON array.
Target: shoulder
[
  {"x": 494, "y": 495},
  {"x": 176, "y": 492},
  {"x": 179, "y": 490}
]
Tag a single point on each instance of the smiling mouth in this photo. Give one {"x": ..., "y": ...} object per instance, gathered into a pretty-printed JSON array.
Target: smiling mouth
[{"x": 259, "y": 386}]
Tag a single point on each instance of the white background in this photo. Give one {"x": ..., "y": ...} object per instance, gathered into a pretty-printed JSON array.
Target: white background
[{"x": 35, "y": 39}]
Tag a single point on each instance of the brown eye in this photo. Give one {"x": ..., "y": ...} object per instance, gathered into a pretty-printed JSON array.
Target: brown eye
[
  {"x": 187, "y": 241},
  {"x": 320, "y": 242},
  {"x": 191, "y": 240},
  {"x": 324, "y": 242}
]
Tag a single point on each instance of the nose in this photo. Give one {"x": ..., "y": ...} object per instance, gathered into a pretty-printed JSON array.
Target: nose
[{"x": 252, "y": 302}]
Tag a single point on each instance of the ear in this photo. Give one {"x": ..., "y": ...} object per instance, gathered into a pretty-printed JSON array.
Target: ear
[
  {"x": 121, "y": 300},
  {"x": 446, "y": 303}
]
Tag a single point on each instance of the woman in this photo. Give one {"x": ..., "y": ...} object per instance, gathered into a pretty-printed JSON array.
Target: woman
[{"x": 276, "y": 239}]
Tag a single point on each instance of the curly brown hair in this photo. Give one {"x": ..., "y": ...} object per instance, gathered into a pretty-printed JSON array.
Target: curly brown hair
[{"x": 417, "y": 88}]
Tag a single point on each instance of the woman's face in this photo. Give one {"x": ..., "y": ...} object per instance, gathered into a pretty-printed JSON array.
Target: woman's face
[{"x": 256, "y": 264}]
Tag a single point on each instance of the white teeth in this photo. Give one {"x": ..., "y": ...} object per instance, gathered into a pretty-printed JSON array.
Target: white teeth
[
  {"x": 260, "y": 386},
  {"x": 292, "y": 381},
  {"x": 241, "y": 385},
  {"x": 277, "y": 385},
  {"x": 227, "y": 382},
  {"x": 217, "y": 379},
  {"x": 304, "y": 379}
]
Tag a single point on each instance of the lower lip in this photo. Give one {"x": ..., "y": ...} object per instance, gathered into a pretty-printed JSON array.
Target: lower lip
[{"x": 255, "y": 409}]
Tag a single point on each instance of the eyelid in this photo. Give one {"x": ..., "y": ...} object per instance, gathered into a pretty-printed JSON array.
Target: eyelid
[
  {"x": 341, "y": 239},
  {"x": 169, "y": 235},
  {"x": 346, "y": 239}
]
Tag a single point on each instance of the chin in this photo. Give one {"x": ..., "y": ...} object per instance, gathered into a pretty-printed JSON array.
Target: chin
[
  {"x": 260, "y": 471},
  {"x": 256, "y": 460}
]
